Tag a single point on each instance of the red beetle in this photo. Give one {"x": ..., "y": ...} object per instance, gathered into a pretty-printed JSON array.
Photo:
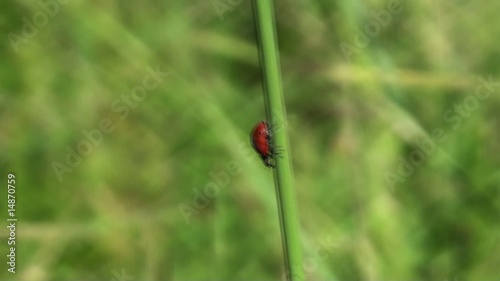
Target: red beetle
[{"x": 261, "y": 142}]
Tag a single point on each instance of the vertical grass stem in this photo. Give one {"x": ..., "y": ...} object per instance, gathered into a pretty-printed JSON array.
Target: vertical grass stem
[{"x": 275, "y": 109}]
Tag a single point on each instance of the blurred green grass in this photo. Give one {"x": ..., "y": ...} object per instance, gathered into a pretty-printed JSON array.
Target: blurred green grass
[{"x": 350, "y": 124}]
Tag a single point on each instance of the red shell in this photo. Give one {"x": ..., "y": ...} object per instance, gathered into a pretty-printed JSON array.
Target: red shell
[{"x": 261, "y": 142}]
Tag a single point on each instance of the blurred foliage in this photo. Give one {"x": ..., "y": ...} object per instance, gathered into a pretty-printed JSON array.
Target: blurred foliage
[{"x": 354, "y": 122}]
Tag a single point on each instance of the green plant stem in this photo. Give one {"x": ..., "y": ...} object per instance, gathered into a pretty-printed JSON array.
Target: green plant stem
[{"x": 273, "y": 94}]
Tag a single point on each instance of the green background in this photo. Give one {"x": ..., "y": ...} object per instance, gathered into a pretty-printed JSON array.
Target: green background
[{"x": 140, "y": 204}]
